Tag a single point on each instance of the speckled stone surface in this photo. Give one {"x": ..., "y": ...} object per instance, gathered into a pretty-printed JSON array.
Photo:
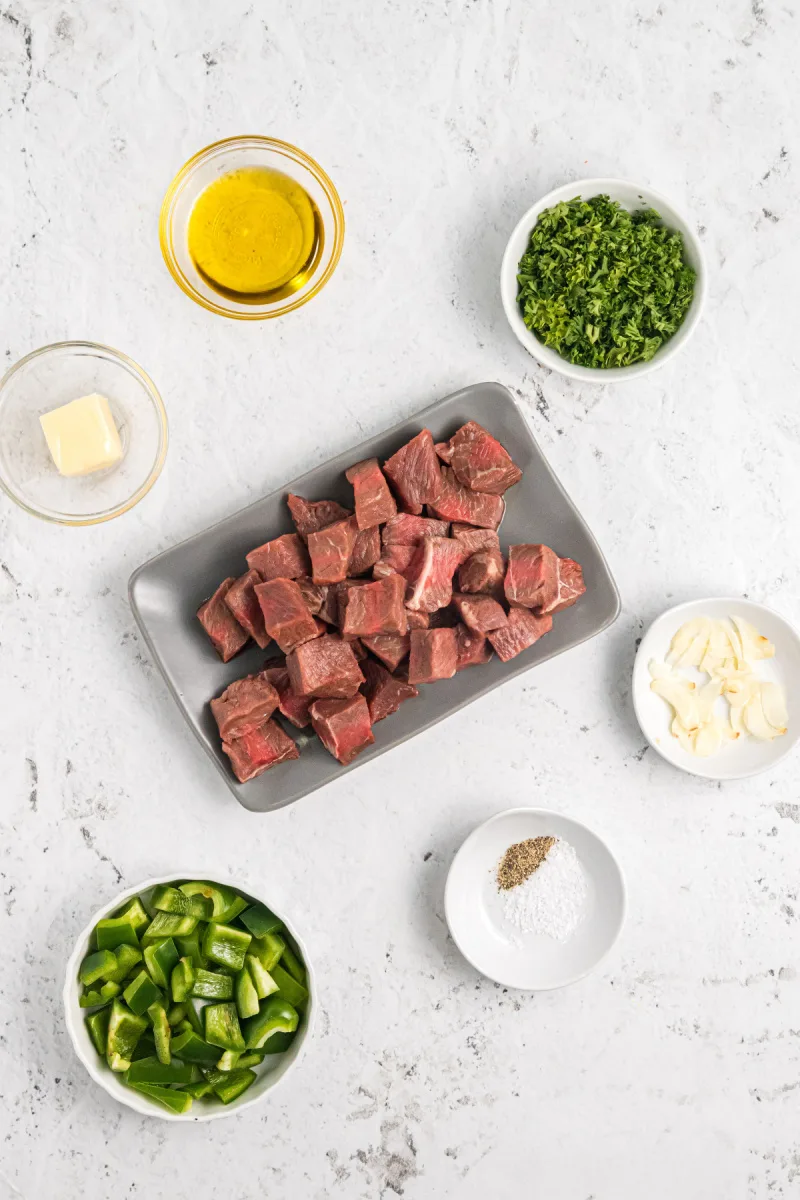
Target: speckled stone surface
[{"x": 673, "y": 1071}]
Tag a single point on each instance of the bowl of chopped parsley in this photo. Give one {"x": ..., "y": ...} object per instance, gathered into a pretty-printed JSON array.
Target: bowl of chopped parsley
[{"x": 603, "y": 279}]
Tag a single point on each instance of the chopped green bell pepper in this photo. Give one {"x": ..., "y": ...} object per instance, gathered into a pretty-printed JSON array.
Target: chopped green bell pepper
[
  {"x": 124, "y": 1030},
  {"x": 291, "y": 962},
  {"x": 134, "y": 911},
  {"x": 177, "y": 1013},
  {"x": 160, "y": 958},
  {"x": 161, "y": 1033},
  {"x": 193, "y": 1016},
  {"x": 97, "y": 1024},
  {"x": 225, "y": 903},
  {"x": 194, "y": 1049},
  {"x": 145, "y": 1047},
  {"x": 115, "y": 931},
  {"x": 289, "y": 988},
  {"x": 179, "y": 1102},
  {"x": 263, "y": 982},
  {"x": 150, "y": 1070},
  {"x": 246, "y": 994},
  {"x": 99, "y": 965},
  {"x": 197, "y": 1090},
  {"x": 222, "y": 1027},
  {"x": 183, "y": 1027},
  {"x": 91, "y": 999},
  {"x": 171, "y": 900},
  {"x": 210, "y": 985},
  {"x": 253, "y": 1058},
  {"x": 268, "y": 949},
  {"x": 182, "y": 980},
  {"x": 258, "y": 920},
  {"x": 233, "y": 1084},
  {"x": 278, "y": 1042},
  {"x": 140, "y": 993},
  {"x": 190, "y": 946},
  {"x": 226, "y": 945},
  {"x": 166, "y": 925},
  {"x": 127, "y": 957},
  {"x": 276, "y": 1016},
  {"x": 229, "y": 1060}
]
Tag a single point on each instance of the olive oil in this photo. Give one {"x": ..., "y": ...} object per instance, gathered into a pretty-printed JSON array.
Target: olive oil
[{"x": 255, "y": 235}]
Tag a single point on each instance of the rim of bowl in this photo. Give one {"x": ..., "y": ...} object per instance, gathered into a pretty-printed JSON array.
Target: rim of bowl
[
  {"x": 163, "y": 439},
  {"x": 94, "y": 1068},
  {"x": 548, "y": 357},
  {"x": 687, "y": 770},
  {"x": 539, "y": 812},
  {"x": 288, "y": 150}
]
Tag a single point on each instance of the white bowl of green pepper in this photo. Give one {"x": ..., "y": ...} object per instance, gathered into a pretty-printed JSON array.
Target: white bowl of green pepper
[{"x": 189, "y": 999}]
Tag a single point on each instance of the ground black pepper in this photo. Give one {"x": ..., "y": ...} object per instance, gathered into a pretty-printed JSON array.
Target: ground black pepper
[{"x": 521, "y": 860}]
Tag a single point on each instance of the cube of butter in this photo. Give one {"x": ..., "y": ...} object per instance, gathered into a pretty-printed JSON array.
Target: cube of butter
[{"x": 82, "y": 436}]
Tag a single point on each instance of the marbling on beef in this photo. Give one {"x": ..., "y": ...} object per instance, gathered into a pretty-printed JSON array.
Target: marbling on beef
[
  {"x": 473, "y": 539},
  {"x": 384, "y": 693},
  {"x": 375, "y": 608},
  {"x": 396, "y": 560},
  {"x": 472, "y": 649},
  {"x": 457, "y": 503},
  {"x": 522, "y": 630},
  {"x": 309, "y": 516},
  {"x": 374, "y": 502},
  {"x": 330, "y": 549},
  {"x": 225, "y": 632},
  {"x": 408, "y": 530},
  {"x": 286, "y": 616},
  {"x": 343, "y": 726},
  {"x": 366, "y": 550},
  {"x": 414, "y": 471},
  {"x": 324, "y": 668},
  {"x": 569, "y": 587},
  {"x": 390, "y": 648},
  {"x": 244, "y": 705},
  {"x": 479, "y": 461},
  {"x": 531, "y": 575},
  {"x": 258, "y": 750},
  {"x": 241, "y": 599},
  {"x": 417, "y": 619},
  {"x": 480, "y": 613},
  {"x": 433, "y": 656},
  {"x": 434, "y": 568},
  {"x": 314, "y": 594},
  {"x": 284, "y": 557},
  {"x": 483, "y": 571}
]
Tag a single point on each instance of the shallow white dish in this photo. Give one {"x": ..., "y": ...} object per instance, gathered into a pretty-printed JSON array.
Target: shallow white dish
[
  {"x": 746, "y": 756},
  {"x": 474, "y": 905},
  {"x": 267, "y": 1079},
  {"x": 630, "y": 196}
]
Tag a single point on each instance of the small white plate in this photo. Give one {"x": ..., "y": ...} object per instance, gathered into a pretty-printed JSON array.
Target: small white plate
[
  {"x": 747, "y": 756},
  {"x": 473, "y": 904}
]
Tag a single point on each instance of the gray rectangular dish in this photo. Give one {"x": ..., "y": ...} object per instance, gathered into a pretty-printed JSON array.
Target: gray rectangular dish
[{"x": 166, "y": 592}]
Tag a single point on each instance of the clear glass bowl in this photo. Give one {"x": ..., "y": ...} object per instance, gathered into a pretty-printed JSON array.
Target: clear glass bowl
[
  {"x": 53, "y": 376},
  {"x": 231, "y": 155}
]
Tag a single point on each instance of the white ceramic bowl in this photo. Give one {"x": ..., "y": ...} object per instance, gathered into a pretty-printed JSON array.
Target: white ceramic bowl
[
  {"x": 474, "y": 906},
  {"x": 270, "y": 1073},
  {"x": 747, "y": 756},
  {"x": 630, "y": 196}
]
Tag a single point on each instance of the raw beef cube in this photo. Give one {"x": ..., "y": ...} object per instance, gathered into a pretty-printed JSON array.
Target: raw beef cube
[
  {"x": 310, "y": 516},
  {"x": 339, "y": 592},
  {"x": 384, "y": 694},
  {"x": 408, "y": 530},
  {"x": 242, "y": 601},
  {"x": 366, "y": 549},
  {"x": 417, "y": 619},
  {"x": 472, "y": 649},
  {"x": 414, "y": 471},
  {"x": 294, "y": 708},
  {"x": 330, "y": 551},
  {"x": 480, "y": 462},
  {"x": 283, "y": 558},
  {"x": 314, "y": 594},
  {"x": 522, "y": 630},
  {"x": 358, "y": 648},
  {"x": 286, "y": 616},
  {"x": 375, "y": 607},
  {"x": 457, "y": 503},
  {"x": 433, "y": 581},
  {"x": 324, "y": 668},
  {"x": 473, "y": 539},
  {"x": 258, "y": 750},
  {"x": 483, "y": 572},
  {"x": 390, "y": 648},
  {"x": 343, "y": 726},
  {"x": 374, "y": 502},
  {"x": 220, "y": 624},
  {"x": 396, "y": 560},
  {"x": 532, "y": 575},
  {"x": 570, "y": 587},
  {"x": 329, "y": 610},
  {"x": 244, "y": 705},
  {"x": 433, "y": 655},
  {"x": 445, "y": 452},
  {"x": 480, "y": 613}
]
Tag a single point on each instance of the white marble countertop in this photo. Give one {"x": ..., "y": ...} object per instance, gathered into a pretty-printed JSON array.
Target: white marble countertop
[{"x": 671, "y": 1072}]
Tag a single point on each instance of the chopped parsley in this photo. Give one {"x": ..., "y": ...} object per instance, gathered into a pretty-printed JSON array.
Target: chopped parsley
[{"x": 601, "y": 286}]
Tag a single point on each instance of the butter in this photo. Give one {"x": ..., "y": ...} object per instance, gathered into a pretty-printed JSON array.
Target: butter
[{"x": 81, "y": 436}]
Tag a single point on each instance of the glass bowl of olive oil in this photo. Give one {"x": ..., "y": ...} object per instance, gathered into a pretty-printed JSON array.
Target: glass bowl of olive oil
[{"x": 251, "y": 227}]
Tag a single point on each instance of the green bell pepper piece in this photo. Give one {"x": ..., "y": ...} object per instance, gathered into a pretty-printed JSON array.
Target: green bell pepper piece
[
  {"x": 134, "y": 912},
  {"x": 194, "y": 1049},
  {"x": 150, "y": 1070},
  {"x": 171, "y": 900},
  {"x": 145, "y": 1047},
  {"x": 210, "y": 985},
  {"x": 291, "y": 963},
  {"x": 97, "y": 1024},
  {"x": 276, "y": 1016},
  {"x": 177, "y": 1013},
  {"x": 161, "y": 1034},
  {"x": 222, "y": 1027},
  {"x": 167, "y": 925},
  {"x": 115, "y": 931},
  {"x": 289, "y": 988},
  {"x": 182, "y": 980},
  {"x": 278, "y": 1042},
  {"x": 226, "y": 945},
  {"x": 258, "y": 920},
  {"x": 160, "y": 958},
  {"x": 124, "y": 1030},
  {"x": 197, "y": 1090},
  {"x": 190, "y": 946},
  {"x": 140, "y": 993},
  {"x": 225, "y": 903},
  {"x": 179, "y": 1102},
  {"x": 127, "y": 957},
  {"x": 263, "y": 982},
  {"x": 229, "y": 1060},
  {"x": 268, "y": 949},
  {"x": 233, "y": 1084},
  {"x": 193, "y": 1016},
  {"x": 91, "y": 999},
  {"x": 246, "y": 994},
  {"x": 99, "y": 965},
  {"x": 253, "y": 1059}
]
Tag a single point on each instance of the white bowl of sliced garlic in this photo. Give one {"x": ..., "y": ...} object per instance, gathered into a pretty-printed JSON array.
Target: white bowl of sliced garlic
[{"x": 715, "y": 685}]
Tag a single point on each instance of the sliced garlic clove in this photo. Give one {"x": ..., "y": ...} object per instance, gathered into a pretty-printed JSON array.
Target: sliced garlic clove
[
  {"x": 683, "y": 736},
  {"x": 680, "y": 696},
  {"x": 706, "y": 698},
  {"x": 754, "y": 719},
  {"x": 683, "y": 639},
  {"x": 659, "y": 670},
  {"x": 755, "y": 646},
  {"x": 708, "y": 741},
  {"x": 773, "y": 702}
]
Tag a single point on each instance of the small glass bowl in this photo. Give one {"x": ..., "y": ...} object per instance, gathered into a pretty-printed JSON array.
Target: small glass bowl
[
  {"x": 231, "y": 155},
  {"x": 55, "y": 375}
]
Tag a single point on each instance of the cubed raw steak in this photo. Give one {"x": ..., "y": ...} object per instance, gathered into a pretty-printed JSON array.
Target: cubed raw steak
[
  {"x": 310, "y": 516},
  {"x": 286, "y": 616},
  {"x": 417, "y": 619},
  {"x": 294, "y": 708},
  {"x": 284, "y": 557},
  {"x": 433, "y": 655},
  {"x": 220, "y": 624},
  {"x": 445, "y": 451},
  {"x": 366, "y": 550},
  {"x": 480, "y": 613},
  {"x": 483, "y": 572},
  {"x": 257, "y": 751},
  {"x": 435, "y": 567},
  {"x": 408, "y": 530},
  {"x": 390, "y": 648},
  {"x": 324, "y": 668},
  {"x": 242, "y": 601},
  {"x": 329, "y": 611},
  {"x": 384, "y": 694},
  {"x": 343, "y": 726},
  {"x": 522, "y": 630},
  {"x": 531, "y": 575},
  {"x": 375, "y": 608},
  {"x": 457, "y": 503},
  {"x": 330, "y": 551},
  {"x": 396, "y": 560},
  {"x": 474, "y": 539},
  {"x": 374, "y": 502},
  {"x": 244, "y": 705},
  {"x": 414, "y": 471},
  {"x": 472, "y": 649},
  {"x": 570, "y": 587},
  {"x": 480, "y": 462},
  {"x": 314, "y": 594}
]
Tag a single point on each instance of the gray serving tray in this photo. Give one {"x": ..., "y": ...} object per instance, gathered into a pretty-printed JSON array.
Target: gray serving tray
[{"x": 166, "y": 592}]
